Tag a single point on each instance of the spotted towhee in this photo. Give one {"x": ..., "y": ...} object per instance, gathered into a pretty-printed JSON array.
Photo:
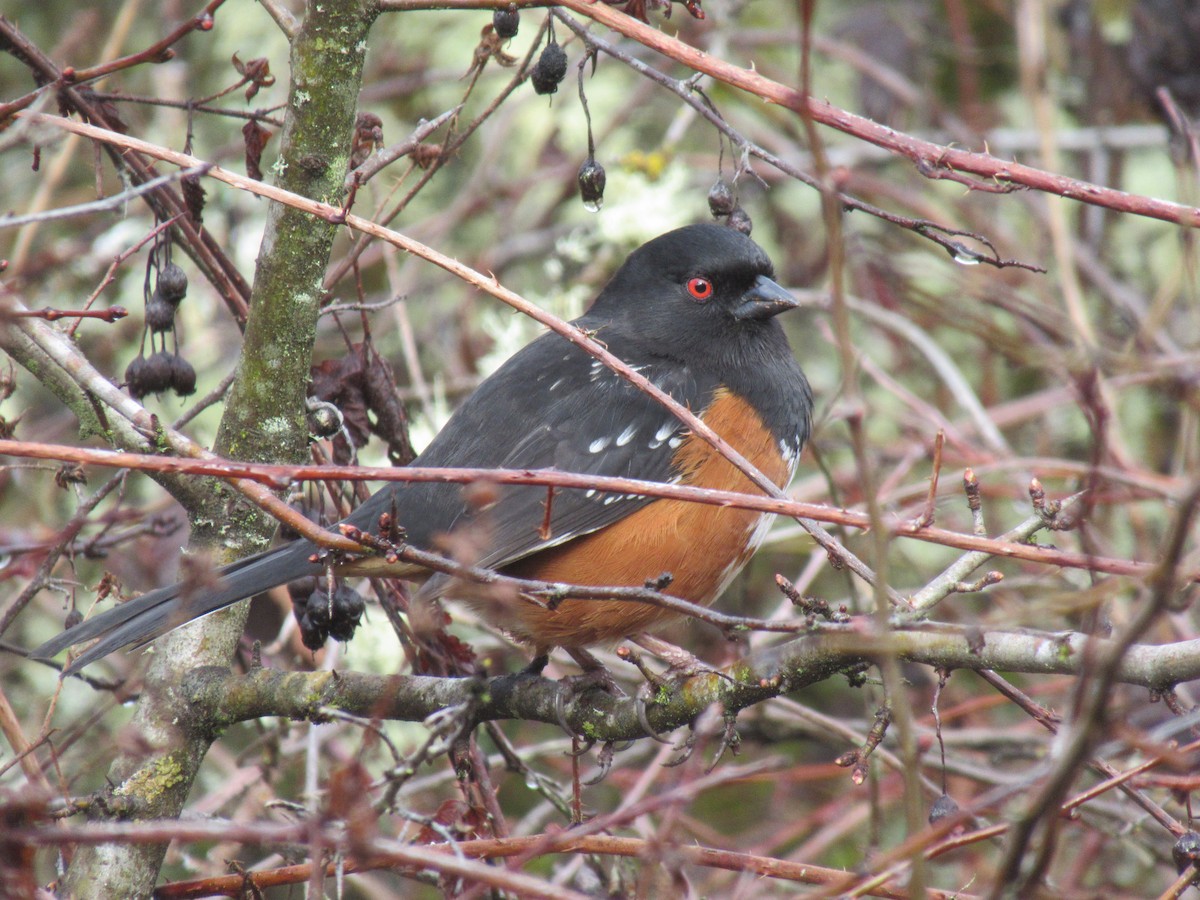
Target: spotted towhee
[{"x": 694, "y": 312}]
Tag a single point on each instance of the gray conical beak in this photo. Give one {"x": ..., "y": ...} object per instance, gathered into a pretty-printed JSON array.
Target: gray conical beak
[{"x": 764, "y": 299}]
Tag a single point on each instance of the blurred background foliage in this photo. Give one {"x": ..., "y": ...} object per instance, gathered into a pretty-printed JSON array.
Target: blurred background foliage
[{"x": 506, "y": 202}]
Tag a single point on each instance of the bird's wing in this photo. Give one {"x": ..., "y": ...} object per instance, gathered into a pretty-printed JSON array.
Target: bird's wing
[{"x": 551, "y": 406}]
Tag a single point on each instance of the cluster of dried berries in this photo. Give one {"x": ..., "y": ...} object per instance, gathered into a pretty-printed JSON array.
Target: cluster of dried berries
[
  {"x": 723, "y": 204},
  {"x": 169, "y": 291},
  {"x": 161, "y": 371},
  {"x": 322, "y": 614}
]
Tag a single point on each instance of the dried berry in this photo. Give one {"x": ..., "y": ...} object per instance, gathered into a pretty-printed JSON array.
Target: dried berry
[
  {"x": 310, "y": 607},
  {"x": 158, "y": 372},
  {"x": 550, "y": 69},
  {"x": 183, "y": 376},
  {"x": 160, "y": 315},
  {"x": 720, "y": 198},
  {"x": 312, "y": 634},
  {"x": 1186, "y": 851},
  {"x": 591, "y": 184},
  {"x": 740, "y": 219},
  {"x": 148, "y": 376},
  {"x": 134, "y": 377},
  {"x": 942, "y": 808},
  {"x": 324, "y": 419},
  {"x": 348, "y": 607},
  {"x": 506, "y": 22},
  {"x": 172, "y": 283}
]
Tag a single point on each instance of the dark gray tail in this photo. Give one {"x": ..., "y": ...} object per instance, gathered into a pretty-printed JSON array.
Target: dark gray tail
[{"x": 155, "y": 613}]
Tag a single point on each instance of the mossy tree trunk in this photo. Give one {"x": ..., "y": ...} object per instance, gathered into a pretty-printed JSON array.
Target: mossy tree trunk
[{"x": 263, "y": 420}]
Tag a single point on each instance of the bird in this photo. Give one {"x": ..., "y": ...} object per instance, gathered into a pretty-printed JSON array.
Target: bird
[{"x": 694, "y": 311}]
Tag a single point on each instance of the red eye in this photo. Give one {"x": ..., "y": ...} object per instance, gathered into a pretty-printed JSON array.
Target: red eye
[{"x": 700, "y": 288}]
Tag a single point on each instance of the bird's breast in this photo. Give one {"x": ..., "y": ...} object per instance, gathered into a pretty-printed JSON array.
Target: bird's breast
[{"x": 702, "y": 546}]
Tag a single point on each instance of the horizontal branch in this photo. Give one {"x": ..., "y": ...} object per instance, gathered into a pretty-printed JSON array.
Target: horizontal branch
[
  {"x": 447, "y": 860},
  {"x": 277, "y": 476},
  {"x": 226, "y": 698},
  {"x": 413, "y": 857}
]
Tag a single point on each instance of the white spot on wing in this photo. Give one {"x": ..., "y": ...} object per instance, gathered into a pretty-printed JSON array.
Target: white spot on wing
[
  {"x": 664, "y": 432},
  {"x": 674, "y": 442},
  {"x": 599, "y": 369},
  {"x": 598, "y": 444},
  {"x": 627, "y": 435},
  {"x": 590, "y": 494},
  {"x": 557, "y": 383}
]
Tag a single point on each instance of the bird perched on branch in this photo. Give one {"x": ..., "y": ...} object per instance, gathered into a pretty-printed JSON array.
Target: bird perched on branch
[{"x": 694, "y": 312}]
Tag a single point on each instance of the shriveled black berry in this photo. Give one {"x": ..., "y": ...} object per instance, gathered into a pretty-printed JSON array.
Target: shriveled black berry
[
  {"x": 312, "y": 635},
  {"x": 148, "y": 376},
  {"x": 183, "y": 376},
  {"x": 591, "y": 183},
  {"x": 160, "y": 315},
  {"x": 740, "y": 219},
  {"x": 135, "y": 377},
  {"x": 347, "y": 612},
  {"x": 172, "y": 283},
  {"x": 309, "y": 606},
  {"x": 314, "y": 620},
  {"x": 942, "y": 807},
  {"x": 1186, "y": 851},
  {"x": 158, "y": 372},
  {"x": 550, "y": 69},
  {"x": 506, "y": 22},
  {"x": 720, "y": 198},
  {"x": 324, "y": 419}
]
